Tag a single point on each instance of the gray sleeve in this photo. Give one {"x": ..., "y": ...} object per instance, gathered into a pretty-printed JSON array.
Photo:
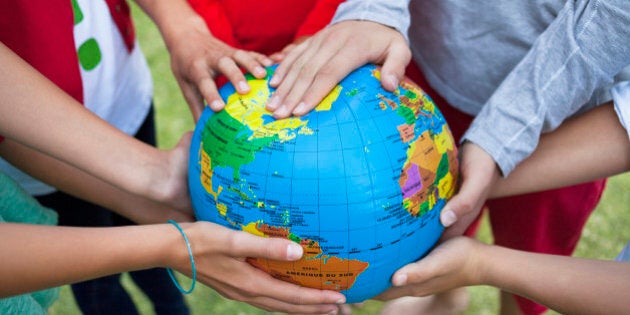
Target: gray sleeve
[
  {"x": 392, "y": 13},
  {"x": 582, "y": 50}
]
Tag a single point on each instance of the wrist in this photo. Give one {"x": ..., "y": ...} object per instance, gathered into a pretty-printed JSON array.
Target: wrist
[
  {"x": 176, "y": 248},
  {"x": 483, "y": 263},
  {"x": 193, "y": 268},
  {"x": 174, "y": 27}
]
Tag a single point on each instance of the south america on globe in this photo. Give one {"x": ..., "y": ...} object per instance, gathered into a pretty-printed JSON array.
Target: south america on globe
[{"x": 359, "y": 182}]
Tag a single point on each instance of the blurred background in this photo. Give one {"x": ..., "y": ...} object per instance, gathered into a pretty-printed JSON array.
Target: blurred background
[{"x": 603, "y": 238}]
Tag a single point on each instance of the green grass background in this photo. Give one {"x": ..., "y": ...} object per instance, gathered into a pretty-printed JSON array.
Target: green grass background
[{"x": 605, "y": 234}]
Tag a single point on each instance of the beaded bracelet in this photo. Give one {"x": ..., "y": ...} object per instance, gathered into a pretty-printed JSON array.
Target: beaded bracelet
[{"x": 192, "y": 263}]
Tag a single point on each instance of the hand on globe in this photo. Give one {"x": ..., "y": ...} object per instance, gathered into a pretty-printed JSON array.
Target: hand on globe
[
  {"x": 171, "y": 187},
  {"x": 197, "y": 57},
  {"x": 312, "y": 69},
  {"x": 220, "y": 256},
  {"x": 453, "y": 264},
  {"x": 478, "y": 173}
]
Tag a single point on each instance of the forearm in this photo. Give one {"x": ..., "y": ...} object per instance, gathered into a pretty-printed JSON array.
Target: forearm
[
  {"x": 36, "y": 113},
  {"x": 566, "y": 284},
  {"x": 578, "y": 54},
  {"x": 591, "y": 146},
  {"x": 85, "y": 186},
  {"x": 36, "y": 257}
]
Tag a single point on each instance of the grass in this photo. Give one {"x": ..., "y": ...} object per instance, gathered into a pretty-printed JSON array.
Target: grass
[{"x": 605, "y": 234}]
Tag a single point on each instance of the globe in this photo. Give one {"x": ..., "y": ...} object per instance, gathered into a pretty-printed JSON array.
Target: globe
[{"x": 358, "y": 182}]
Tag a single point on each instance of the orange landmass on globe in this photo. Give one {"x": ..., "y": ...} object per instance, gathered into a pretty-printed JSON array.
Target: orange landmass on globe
[
  {"x": 313, "y": 270},
  {"x": 424, "y": 156}
]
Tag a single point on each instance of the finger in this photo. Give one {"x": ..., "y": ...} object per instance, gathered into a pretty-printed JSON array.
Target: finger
[
  {"x": 326, "y": 79},
  {"x": 244, "y": 244},
  {"x": 204, "y": 86},
  {"x": 312, "y": 66},
  {"x": 272, "y": 305},
  {"x": 394, "y": 66},
  {"x": 194, "y": 99},
  {"x": 277, "y": 57},
  {"x": 251, "y": 62},
  {"x": 264, "y": 299},
  {"x": 263, "y": 60},
  {"x": 210, "y": 93},
  {"x": 228, "y": 67},
  {"x": 256, "y": 285},
  {"x": 287, "y": 64},
  {"x": 459, "y": 212}
]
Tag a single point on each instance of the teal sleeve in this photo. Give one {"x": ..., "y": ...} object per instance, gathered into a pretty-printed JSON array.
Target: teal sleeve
[{"x": 17, "y": 206}]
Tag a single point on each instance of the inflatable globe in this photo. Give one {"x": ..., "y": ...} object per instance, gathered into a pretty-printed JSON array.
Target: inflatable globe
[{"x": 358, "y": 182}]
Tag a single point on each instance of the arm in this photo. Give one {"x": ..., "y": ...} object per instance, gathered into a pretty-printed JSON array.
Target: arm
[
  {"x": 566, "y": 284},
  {"x": 587, "y": 147},
  {"x": 78, "y": 254},
  {"x": 590, "y": 146},
  {"x": 566, "y": 64},
  {"x": 78, "y": 183},
  {"x": 140, "y": 168},
  {"x": 197, "y": 56},
  {"x": 362, "y": 32}
]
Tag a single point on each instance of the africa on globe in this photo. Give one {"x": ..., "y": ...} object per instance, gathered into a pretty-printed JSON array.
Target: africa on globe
[{"x": 359, "y": 182}]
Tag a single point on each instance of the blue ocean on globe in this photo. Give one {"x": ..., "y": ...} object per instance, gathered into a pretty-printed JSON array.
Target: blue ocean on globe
[{"x": 359, "y": 182}]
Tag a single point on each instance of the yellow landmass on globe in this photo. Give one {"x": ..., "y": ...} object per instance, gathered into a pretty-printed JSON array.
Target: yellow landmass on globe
[
  {"x": 446, "y": 186},
  {"x": 326, "y": 104},
  {"x": 313, "y": 270},
  {"x": 250, "y": 110},
  {"x": 444, "y": 141}
]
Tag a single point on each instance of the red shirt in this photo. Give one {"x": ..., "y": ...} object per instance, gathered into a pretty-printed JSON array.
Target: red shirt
[
  {"x": 264, "y": 26},
  {"x": 41, "y": 33}
]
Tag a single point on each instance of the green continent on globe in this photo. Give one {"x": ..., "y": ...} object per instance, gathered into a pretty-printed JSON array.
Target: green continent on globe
[{"x": 359, "y": 182}]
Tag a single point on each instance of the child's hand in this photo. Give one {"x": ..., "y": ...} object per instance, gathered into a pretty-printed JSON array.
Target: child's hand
[
  {"x": 170, "y": 182},
  {"x": 220, "y": 256},
  {"x": 478, "y": 174},
  {"x": 197, "y": 57},
  {"x": 453, "y": 264},
  {"x": 313, "y": 68},
  {"x": 279, "y": 56}
]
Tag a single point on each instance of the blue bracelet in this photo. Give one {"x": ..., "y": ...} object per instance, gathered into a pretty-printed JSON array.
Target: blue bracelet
[{"x": 192, "y": 263}]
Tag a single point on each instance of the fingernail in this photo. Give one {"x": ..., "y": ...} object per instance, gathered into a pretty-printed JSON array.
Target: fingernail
[
  {"x": 341, "y": 301},
  {"x": 259, "y": 71},
  {"x": 273, "y": 103},
  {"x": 448, "y": 217},
  {"x": 399, "y": 280},
  {"x": 294, "y": 251},
  {"x": 243, "y": 86},
  {"x": 283, "y": 111},
  {"x": 391, "y": 79},
  {"x": 216, "y": 105},
  {"x": 300, "y": 109},
  {"x": 274, "y": 80}
]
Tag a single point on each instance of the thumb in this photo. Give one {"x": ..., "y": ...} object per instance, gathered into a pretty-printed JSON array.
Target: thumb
[
  {"x": 394, "y": 65},
  {"x": 463, "y": 208},
  {"x": 479, "y": 173}
]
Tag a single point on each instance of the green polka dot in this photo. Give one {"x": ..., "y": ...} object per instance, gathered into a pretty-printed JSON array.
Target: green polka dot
[
  {"x": 89, "y": 54},
  {"x": 78, "y": 14}
]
